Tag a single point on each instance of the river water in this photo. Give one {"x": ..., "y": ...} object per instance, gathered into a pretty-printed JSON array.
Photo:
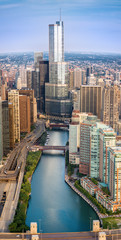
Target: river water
[{"x": 53, "y": 204}]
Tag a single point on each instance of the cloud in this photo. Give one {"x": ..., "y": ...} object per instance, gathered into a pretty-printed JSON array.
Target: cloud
[{"x": 8, "y": 6}]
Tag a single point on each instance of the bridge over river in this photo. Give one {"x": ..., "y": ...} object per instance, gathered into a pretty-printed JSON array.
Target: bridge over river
[{"x": 45, "y": 148}]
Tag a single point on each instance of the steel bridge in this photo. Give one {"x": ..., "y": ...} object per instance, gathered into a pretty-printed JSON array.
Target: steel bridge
[
  {"x": 58, "y": 125},
  {"x": 45, "y": 148}
]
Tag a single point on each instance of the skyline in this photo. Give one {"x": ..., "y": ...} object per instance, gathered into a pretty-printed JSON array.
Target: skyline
[{"x": 96, "y": 25}]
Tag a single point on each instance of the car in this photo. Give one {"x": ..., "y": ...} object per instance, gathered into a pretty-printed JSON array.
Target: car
[{"x": 17, "y": 235}]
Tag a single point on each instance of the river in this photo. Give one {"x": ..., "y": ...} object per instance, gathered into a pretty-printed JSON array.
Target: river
[{"x": 53, "y": 204}]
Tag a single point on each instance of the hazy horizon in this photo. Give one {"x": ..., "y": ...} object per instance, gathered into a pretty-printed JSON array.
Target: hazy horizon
[{"x": 90, "y": 25}]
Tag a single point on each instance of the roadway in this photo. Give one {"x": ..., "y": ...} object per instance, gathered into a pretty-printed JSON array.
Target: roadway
[
  {"x": 12, "y": 166},
  {"x": 11, "y": 176},
  {"x": 111, "y": 234}
]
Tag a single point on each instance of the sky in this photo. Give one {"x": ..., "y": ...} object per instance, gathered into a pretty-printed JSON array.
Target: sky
[{"x": 89, "y": 25}]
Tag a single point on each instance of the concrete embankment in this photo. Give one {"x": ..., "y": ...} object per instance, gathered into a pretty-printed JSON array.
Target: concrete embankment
[{"x": 84, "y": 197}]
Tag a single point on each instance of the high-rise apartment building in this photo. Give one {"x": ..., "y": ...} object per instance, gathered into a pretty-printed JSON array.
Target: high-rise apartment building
[
  {"x": 74, "y": 137},
  {"x": 88, "y": 72},
  {"x": 110, "y": 105},
  {"x": 95, "y": 148},
  {"x": 77, "y": 77},
  {"x": 40, "y": 76},
  {"x": 33, "y": 104},
  {"x": 44, "y": 78},
  {"x": 11, "y": 125},
  {"x": 71, "y": 79},
  {"x": 36, "y": 85},
  {"x": 24, "y": 105},
  {"x": 13, "y": 97},
  {"x": 29, "y": 78},
  {"x": 114, "y": 177},
  {"x": 85, "y": 146},
  {"x": 1, "y": 136},
  {"x": 5, "y": 127},
  {"x": 76, "y": 99},
  {"x": 107, "y": 139},
  {"x": 57, "y": 101},
  {"x": 91, "y": 99}
]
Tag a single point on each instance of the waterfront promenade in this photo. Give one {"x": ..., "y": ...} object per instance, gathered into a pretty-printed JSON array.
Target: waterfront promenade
[{"x": 85, "y": 198}]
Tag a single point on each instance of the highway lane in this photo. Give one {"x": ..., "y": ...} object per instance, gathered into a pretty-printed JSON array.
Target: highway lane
[
  {"x": 14, "y": 157},
  {"x": 112, "y": 234},
  {"x": 12, "y": 193}
]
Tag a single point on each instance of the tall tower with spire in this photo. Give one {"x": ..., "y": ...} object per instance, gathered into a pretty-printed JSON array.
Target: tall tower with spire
[{"x": 57, "y": 100}]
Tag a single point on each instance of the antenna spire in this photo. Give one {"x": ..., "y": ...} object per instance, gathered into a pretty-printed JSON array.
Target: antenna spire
[{"x": 60, "y": 14}]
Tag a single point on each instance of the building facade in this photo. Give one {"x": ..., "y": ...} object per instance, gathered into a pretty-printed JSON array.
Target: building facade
[
  {"x": 5, "y": 127},
  {"x": 91, "y": 99},
  {"x": 107, "y": 139},
  {"x": 13, "y": 97},
  {"x": 110, "y": 105},
  {"x": 33, "y": 104},
  {"x": 24, "y": 106},
  {"x": 85, "y": 144}
]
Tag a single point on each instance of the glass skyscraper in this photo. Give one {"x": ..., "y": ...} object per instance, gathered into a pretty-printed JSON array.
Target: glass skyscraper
[{"x": 57, "y": 100}]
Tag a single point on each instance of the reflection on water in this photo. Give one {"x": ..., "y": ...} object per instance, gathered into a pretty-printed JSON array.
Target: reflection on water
[{"x": 52, "y": 200}]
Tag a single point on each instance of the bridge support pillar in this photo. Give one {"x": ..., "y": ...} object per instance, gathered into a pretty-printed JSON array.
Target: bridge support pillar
[
  {"x": 102, "y": 236},
  {"x": 96, "y": 225},
  {"x": 33, "y": 228}
]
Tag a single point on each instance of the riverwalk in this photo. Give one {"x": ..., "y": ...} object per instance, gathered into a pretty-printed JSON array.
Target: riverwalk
[{"x": 71, "y": 184}]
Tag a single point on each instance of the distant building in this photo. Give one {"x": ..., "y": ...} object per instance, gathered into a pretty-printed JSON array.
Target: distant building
[
  {"x": 110, "y": 105},
  {"x": 91, "y": 99},
  {"x": 13, "y": 97},
  {"x": 88, "y": 72},
  {"x": 38, "y": 56},
  {"x": 24, "y": 105},
  {"x": 76, "y": 99},
  {"x": 77, "y": 77},
  {"x": 91, "y": 80},
  {"x": 5, "y": 127},
  {"x": 29, "y": 78},
  {"x": 71, "y": 79}
]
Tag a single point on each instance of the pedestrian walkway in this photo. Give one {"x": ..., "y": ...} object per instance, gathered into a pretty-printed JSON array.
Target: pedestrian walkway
[{"x": 84, "y": 197}]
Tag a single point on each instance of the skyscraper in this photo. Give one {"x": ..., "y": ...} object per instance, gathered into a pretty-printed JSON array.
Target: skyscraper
[
  {"x": 5, "y": 127},
  {"x": 57, "y": 101},
  {"x": 13, "y": 97},
  {"x": 110, "y": 105}
]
